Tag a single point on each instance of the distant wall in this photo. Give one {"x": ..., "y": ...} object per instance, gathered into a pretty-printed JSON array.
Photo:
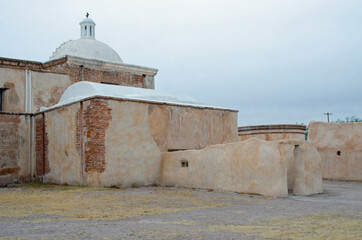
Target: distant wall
[
  {"x": 251, "y": 166},
  {"x": 340, "y": 147},
  {"x": 15, "y": 145},
  {"x": 273, "y": 132}
]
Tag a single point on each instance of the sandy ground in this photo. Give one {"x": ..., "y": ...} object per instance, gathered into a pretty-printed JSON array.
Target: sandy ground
[{"x": 63, "y": 212}]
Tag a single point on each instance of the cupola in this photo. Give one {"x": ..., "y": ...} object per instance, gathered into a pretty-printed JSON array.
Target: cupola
[{"x": 87, "y": 27}]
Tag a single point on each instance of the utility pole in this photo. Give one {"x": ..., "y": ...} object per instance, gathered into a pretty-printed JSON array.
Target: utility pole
[{"x": 328, "y": 114}]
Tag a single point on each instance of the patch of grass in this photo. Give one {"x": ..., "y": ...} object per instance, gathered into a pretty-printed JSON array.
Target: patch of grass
[
  {"x": 318, "y": 226},
  {"x": 90, "y": 203}
]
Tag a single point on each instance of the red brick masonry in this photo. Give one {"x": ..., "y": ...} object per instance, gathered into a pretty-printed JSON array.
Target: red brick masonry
[{"x": 96, "y": 117}]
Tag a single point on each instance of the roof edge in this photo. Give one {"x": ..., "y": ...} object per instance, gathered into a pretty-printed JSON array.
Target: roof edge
[
  {"x": 133, "y": 100},
  {"x": 111, "y": 66}
]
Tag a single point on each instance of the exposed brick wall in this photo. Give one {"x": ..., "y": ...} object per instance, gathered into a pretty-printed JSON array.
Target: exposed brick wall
[
  {"x": 96, "y": 117},
  {"x": 78, "y": 131},
  {"x": 9, "y": 140},
  {"x": 41, "y": 147},
  {"x": 77, "y": 73}
]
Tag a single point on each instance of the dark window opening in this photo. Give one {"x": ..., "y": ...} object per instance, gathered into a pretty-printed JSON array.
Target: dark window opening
[
  {"x": 90, "y": 30},
  {"x": 1, "y": 101},
  {"x": 110, "y": 83},
  {"x": 184, "y": 163},
  {"x": 339, "y": 153},
  {"x": 1, "y": 98},
  {"x": 175, "y": 149}
]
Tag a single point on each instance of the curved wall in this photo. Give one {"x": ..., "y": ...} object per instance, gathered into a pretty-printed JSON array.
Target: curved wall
[{"x": 273, "y": 132}]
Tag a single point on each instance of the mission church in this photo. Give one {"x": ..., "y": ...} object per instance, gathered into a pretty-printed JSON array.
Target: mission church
[{"x": 86, "y": 118}]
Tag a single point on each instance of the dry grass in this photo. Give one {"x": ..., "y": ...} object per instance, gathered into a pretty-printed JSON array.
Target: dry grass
[
  {"x": 90, "y": 203},
  {"x": 319, "y": 226}
]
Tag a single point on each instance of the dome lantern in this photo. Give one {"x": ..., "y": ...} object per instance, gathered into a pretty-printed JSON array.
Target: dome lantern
[
  {"x": 87, "y": 28},
  {"x": 87, "y": 46}
]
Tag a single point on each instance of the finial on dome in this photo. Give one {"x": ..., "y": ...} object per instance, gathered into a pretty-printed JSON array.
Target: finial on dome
[{"x": 87, "y": 27}]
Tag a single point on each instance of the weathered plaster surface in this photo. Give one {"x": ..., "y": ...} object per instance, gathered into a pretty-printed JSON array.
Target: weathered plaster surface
[
  {"x": 62, "y": 154},
  {"x": 274, "y": 136},
  {"x": 191, "y": 128},
  {"x": 14, "y": 148},
  {"x": 14, "y": 97},
  {"x": 251, "y": 166},
  {"x": 132, "y": 156},
  {"x": 343, "y": 138},
  {"x": 308, "y": 170},
  {"x": 47, "y": 88}
]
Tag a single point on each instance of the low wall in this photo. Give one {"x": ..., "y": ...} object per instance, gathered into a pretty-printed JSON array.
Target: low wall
[
  {"x": 273, "y": 132},
  {"x": 340, "y": 147},
  {"x": 251, "y": 166}
]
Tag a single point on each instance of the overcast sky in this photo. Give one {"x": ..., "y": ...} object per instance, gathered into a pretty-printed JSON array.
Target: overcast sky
[{"x": 276, "y": 61}]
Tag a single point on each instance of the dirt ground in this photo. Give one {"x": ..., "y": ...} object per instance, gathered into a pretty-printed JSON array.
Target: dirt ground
[{"x": 37, "y": 211}]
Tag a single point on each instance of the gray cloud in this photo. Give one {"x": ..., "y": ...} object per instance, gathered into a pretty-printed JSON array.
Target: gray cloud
[{"x": 275, "y": 61}]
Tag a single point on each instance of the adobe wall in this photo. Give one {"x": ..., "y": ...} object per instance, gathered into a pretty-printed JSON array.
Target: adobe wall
[
  {"x": 340, "y": 147},
  {"x": 62, "y": 162},
  {"x": 82, "y": 73},
  {"x": 15, "y": 145},
  {"x": 273, "y": 132},
  {"x": 49, "y": 80},
  {"x": 127, "y": 154},
  {"x": 106, "y": 142},
  {"x": 47, "y": 89},
  {"x": 14, "y": 98},
  {"x": 180, "y": 127},
  {"x": 251, "y": 166}
]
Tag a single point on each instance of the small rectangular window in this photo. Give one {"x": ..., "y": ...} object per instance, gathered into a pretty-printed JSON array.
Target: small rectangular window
[{"x": 184, "y": 163}]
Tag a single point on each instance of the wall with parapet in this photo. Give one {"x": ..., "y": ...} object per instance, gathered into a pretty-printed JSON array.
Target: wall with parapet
[
  {"x": 251, "y": 166},
  {"x": 340, "y": 147}
]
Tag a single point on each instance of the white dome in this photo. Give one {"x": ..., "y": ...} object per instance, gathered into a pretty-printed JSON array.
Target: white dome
[
  {"x": 87, "y": 48},
  {"x": 84, "y": 89}
]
